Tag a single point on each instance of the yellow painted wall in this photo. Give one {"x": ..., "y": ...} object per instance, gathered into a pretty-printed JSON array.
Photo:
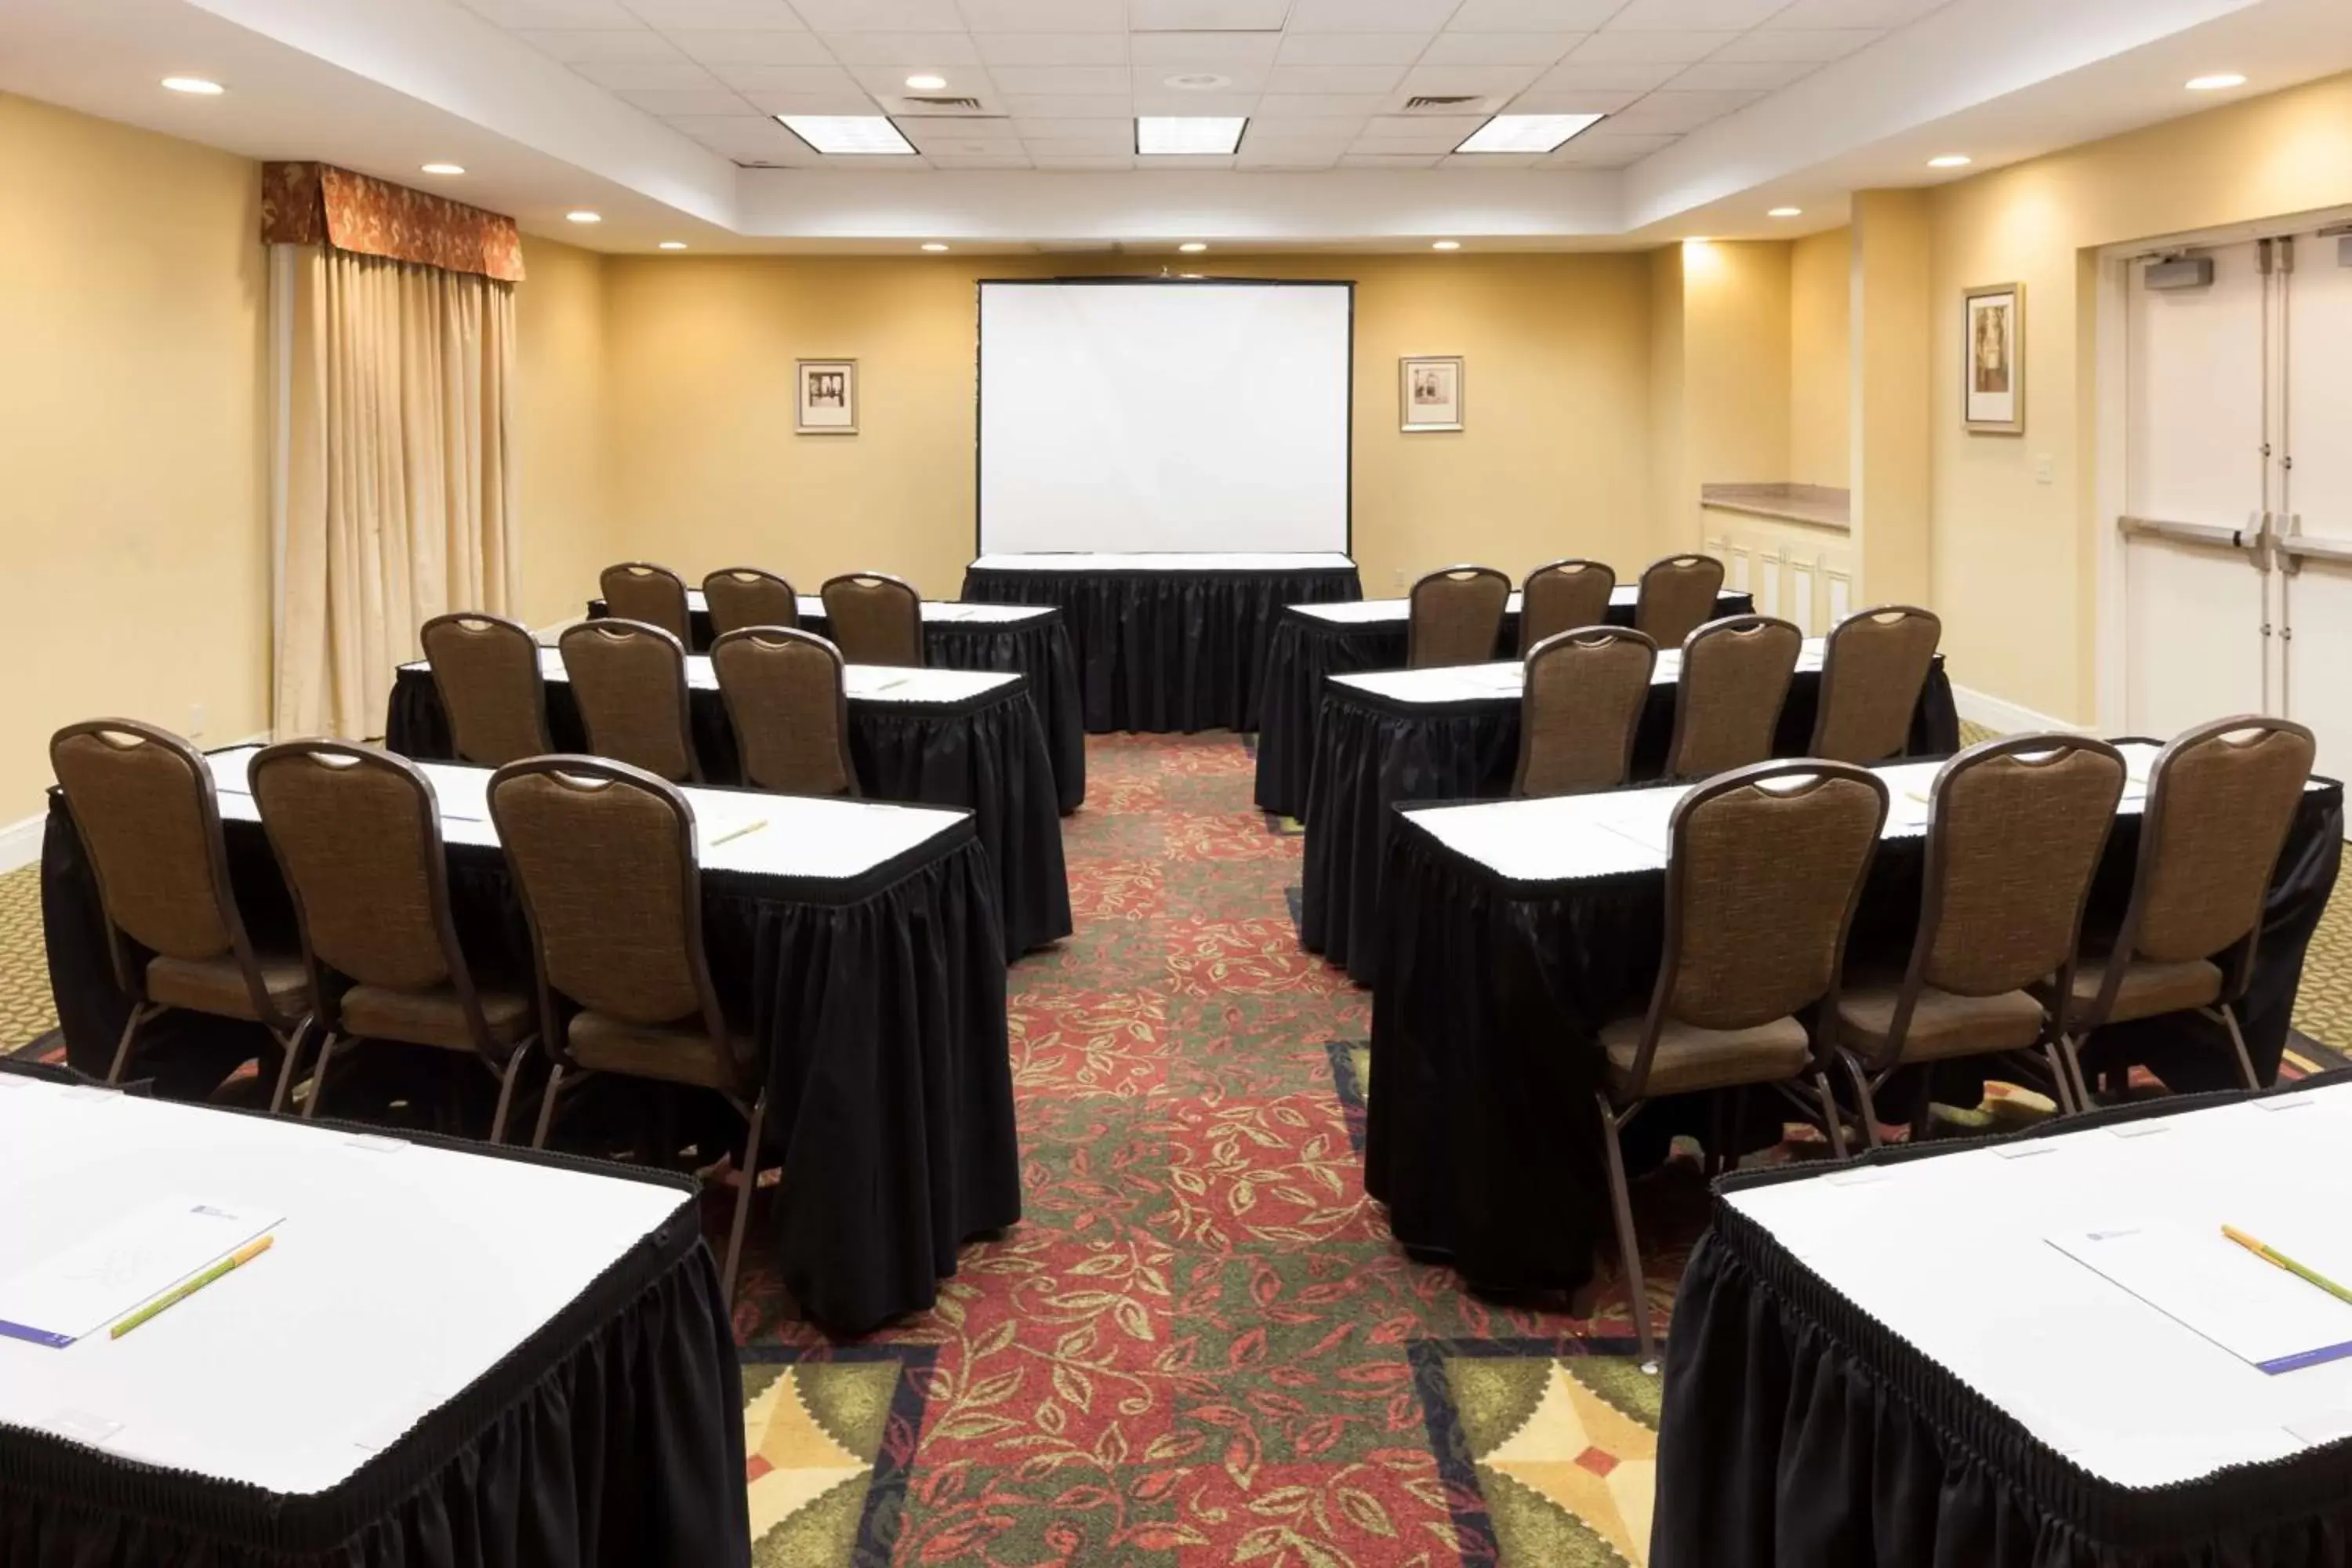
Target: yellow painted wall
[
  {"x": 563, "y": 488},
  {"x": 1821, "y": 360},
  {"x": 1735, "y": 370},
  {"x": 2016, "y": 563},
  {"x": 706, "y": 472},
  {"x": 1673, "y": 486},
  {"x": 134, "y": 500}
]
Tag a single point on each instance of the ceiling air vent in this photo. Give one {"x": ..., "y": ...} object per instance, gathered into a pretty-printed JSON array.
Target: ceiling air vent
[
  {"x": 1437, "y": 103},
  {"x": 943, "y": 105}
]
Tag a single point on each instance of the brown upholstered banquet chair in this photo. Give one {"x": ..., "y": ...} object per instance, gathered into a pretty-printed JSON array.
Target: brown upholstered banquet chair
[
  {"x": 603, "y": 859},
  {"x": 1678, "y": 597},
  {"x": 143, "y": 803},
  {"x": 1583, "y": 700},
  {"x": 1873, "y": 667},
  {"x": 1455, "y": 616},
  {"x": 1728, "y": 700},
  {"x": 357, "y": 833},
  {"x": 783, "y": 694},
  {"x": 486, "y": 670},
  {"x": 629, "y": 680},
  {"x": 876, "y": 618},
  {"x": 2221, "y": 800},
  {"x": 741, "y": 596},
  {"x": 1764, "y": 868},
  {"x": 2015, "y": 831},
  {"x": 1562, "y": 598},
  {"x": 640, "y": 591}
]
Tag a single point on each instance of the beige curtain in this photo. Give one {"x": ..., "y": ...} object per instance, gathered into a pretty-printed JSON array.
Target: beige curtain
[{"x": 398, "y": 479}]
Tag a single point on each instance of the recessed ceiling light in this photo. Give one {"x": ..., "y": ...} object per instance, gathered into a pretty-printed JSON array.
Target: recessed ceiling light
[
  {"x": 1164, "y": 135},
  {"x": 673, "y": 245},
  {"x": 2215, "y": 83},
  {"x": 1786, "y": 211},
  {"x": 933, "y": 245},
  {"x": 584, "y": 215},
  {"x": 445, "y": 168},
  {"x": 1444, "y": 244},
  {"x": 1527, "y": 133},
  {"x": 1192, "y": 247},
  {"x": 1952, "y": 160},
  {"x": 927, "y": 82},
  {"x": 195, "y": 84},
  {"x": 849, "y": 136}
]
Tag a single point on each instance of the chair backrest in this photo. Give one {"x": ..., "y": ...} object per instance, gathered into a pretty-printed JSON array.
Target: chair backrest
[
  {"x": 2221, "y": 800},
  {"x": 487, "y": 669},
  {"x": 629, "y": 680},
  {"x": 1583, "y": 701},
  {"x": 1562, "y": 598},
  {"x": 641, "y": 591},
  {"x": 741, "y": 596},
  {"x": 1765, "y": 867},
  {"x": 876, "y": 618},
  {"x": 1678, "y": 597},
  {"x": 1455, "y": 616},
  {"x": 1734, "y": 677},
  {"x": 783, "y": 694},
  {"x": 1873, "y": 667},
  {"x": 603, "y": 859},
  {"x": 357, "y": 833}
]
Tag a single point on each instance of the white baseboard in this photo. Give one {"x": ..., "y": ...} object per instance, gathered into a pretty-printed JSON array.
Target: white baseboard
[
  {"x": 20, "y": 842},
  {"x": 2006, "y": 718}
]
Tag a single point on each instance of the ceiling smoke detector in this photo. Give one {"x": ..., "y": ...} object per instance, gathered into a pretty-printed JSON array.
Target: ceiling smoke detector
[{"x": 1197, "y": 81}]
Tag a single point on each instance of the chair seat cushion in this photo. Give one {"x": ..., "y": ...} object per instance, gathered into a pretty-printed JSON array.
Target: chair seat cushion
[
  {"x": 2148, "y": 988},
  {"x": 1689, "y": 1058},
  {"x": 435, "y": 1017},
  {"x": 679, "y": 1052},
  {"x": 216, "y": 985},
  {"x": 1943, "y": 1024}
]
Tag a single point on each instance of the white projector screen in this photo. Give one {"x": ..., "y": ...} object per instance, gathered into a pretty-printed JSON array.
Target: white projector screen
[{"x": 1135, "y": 415}]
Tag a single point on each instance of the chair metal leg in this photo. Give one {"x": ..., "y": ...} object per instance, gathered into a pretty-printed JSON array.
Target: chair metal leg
[
  {"x": 288, "y": 1066},
  {"x": 750, "y": 1187},
  {"x": 1923, "y": 1120},
  {"x": 546, "y": 1105},
  {"x": 318, "y": 1077},
  {"x": 2074, "y": 1092},
  {"x": 506, "y": 1091},
  {"x": 2237, "y": 1043},
  {"x": 139, "y": 1015},
  {"x": 1865, "y": 1106},
  {"x": 1629, "y": 1247},
  {"x": 1836, "y": 1125}
]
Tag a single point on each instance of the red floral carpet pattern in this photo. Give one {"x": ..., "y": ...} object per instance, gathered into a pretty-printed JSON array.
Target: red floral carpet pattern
[{"x": 1197, "y": 1346}]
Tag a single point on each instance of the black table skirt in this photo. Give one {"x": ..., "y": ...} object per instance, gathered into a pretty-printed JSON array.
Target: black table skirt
[
  {"x": 880, "y": 1005},
  {"x": 1481, "y": 1135},
  {"x": 1304, "y": 649},
  {"x": 612, "y": 1437},
  {"x": 988, "y": 757},
  {"x": 1168, "y": 651},
  {"x": 1039, "y": 649},
  {"x": 1372, "y": 755},
  {"x": 1797, "y": 1431}
]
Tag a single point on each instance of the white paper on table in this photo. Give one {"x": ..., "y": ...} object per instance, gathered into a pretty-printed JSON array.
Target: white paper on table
[
  {"x": 2220, "y": 1291},
  {"x": 109, "y": 1273}
]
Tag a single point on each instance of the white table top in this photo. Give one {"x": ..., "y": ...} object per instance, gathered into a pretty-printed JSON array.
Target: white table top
[
  {"x": 861, "y": 682},
  {"x": 1115, "y": 560},
  {"x": 1952, "y": 1254},
  {"x": 801, "y": 836},
  {"x": 400, "y": 1274},
  {"x": 1447, "y": 684},
  {"x": 946, "y": 612},
  {"x": 1381, "y": 612}
]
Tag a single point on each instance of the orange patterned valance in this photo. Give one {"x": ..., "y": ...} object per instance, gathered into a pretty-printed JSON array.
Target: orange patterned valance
[{"x": 317, "y": 203}]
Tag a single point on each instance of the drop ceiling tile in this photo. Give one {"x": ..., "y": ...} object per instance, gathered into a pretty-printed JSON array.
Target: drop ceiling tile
[
  {"x": 684, "y": 100},
  {"x": 890, "y": 81},
  {"x": 549, "y": 14},
  {"x": 911, "y": 50},
  {"x": 1069, "y": 106},
  {"x": 1391, "y": 160},
  {"x": 1351, "y": 49},
  {"x": 1648, "y": 48},
  {"x": 1292, "y": 159},
  {"x": 1157, "y": 81},
  {"x": 1421, "y": 140},
  {"x": 1811, "y": 45},
  {"x": 1014, "y": 160},
  {"x": 1206, "y": 51},
  {"x": 1573, "y": 75},
  {"x": 1328, "y": 148},
  {"x": 677, "y": 15},
  {"x": 1116, "y": 145},
  {"x": 736, "y": 47},
  {"x": 1540, "y": 100},
  {"x": 1071, "y": 162},
  {"x": 1046, "y": 16},
  {"x": 1198, "y": 105},
  {"x": 1680, "y": 111},
  {"x": 672, "y": 73},
  {"x": 1371, "y": 79},
  {"x": 1712, "y": 75},
  {"x": 744, "y": 137},
  {"x": 1481, "y": 81},
  {"x": 1054, "y": 80},
  {"x": 1052, "y": 48},
  {"x": 1456, "y": 126},
  {"x": 1164, "y": 161},
  {"x": 1499, "y": 48},
  {"x": 574, "y": 47},
  {"x": 772, "y": 102},
  {"x": 880, "y": 16},
  {"x": 1593, "y": 150},
  {"x": 1492, "y": 161},
  {"x": 1206, "y": 15},
  {"x": 1423, "y": 16},
  {"x": 1120, "y": 128},
  {"x": 1694, "y": 15},
  {"x": 1855, "y": 13},
  {"x": 967, "y": 138},
  {"x": 829, "y": 80},
  {"x": 1320, "y": 105},
  {"x": 1532, "y": 15}
]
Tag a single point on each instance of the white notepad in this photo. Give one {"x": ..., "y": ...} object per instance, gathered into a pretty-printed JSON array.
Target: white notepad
[
  {"x": 2215, "y": 1289},
  {"x": 109, "y": 1273}
]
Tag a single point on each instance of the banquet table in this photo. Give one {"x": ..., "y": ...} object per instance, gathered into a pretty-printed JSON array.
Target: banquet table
[
  {"x": 856, "y": 944},
  {"x": 1386, "y": 738},
  {"x": 1515, "y": 929},
  {"x": 1894, "y": 1363},
  {"x": 1311, "y": 641},
  {"x": 449, "y": 1357},
  {"x": 1166, "y": 642},
  {"x": 1031, "y": 641},
  {"x": 921, "y": 737}
]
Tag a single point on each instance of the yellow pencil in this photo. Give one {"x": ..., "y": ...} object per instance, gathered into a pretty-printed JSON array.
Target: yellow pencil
[
  {"x": 2281, "y": 1260},
  {"x": 736, "y": 833},
  {"x": 243, "y": 1255}
]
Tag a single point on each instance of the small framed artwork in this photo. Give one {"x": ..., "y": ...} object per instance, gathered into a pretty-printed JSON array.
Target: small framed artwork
[
  {"x": 1431, "y": 391},
  {"x": 1994, "y": 360},
  {"x": 828, "y": 398}
]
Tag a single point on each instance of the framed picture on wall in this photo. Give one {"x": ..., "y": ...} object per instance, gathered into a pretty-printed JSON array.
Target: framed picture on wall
[
  {"x": 828, "y": 398},
  {"x": 1993, "y": 360},
  {"x": 1430, "y": 391}
]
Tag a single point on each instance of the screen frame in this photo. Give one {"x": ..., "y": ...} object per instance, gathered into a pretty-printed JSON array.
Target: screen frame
[{"x": 1144, "y": 280}]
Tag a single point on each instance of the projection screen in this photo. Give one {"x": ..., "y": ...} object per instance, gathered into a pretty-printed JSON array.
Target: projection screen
[{"x": 1142, "y": 415}]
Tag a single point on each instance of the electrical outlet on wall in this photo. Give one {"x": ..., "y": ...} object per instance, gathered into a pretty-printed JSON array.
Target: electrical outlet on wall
[
  {"x": 2045, "y": 469},
  {"x": 1397, "y": 580},
  {"x": 195, "y": 721}
]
